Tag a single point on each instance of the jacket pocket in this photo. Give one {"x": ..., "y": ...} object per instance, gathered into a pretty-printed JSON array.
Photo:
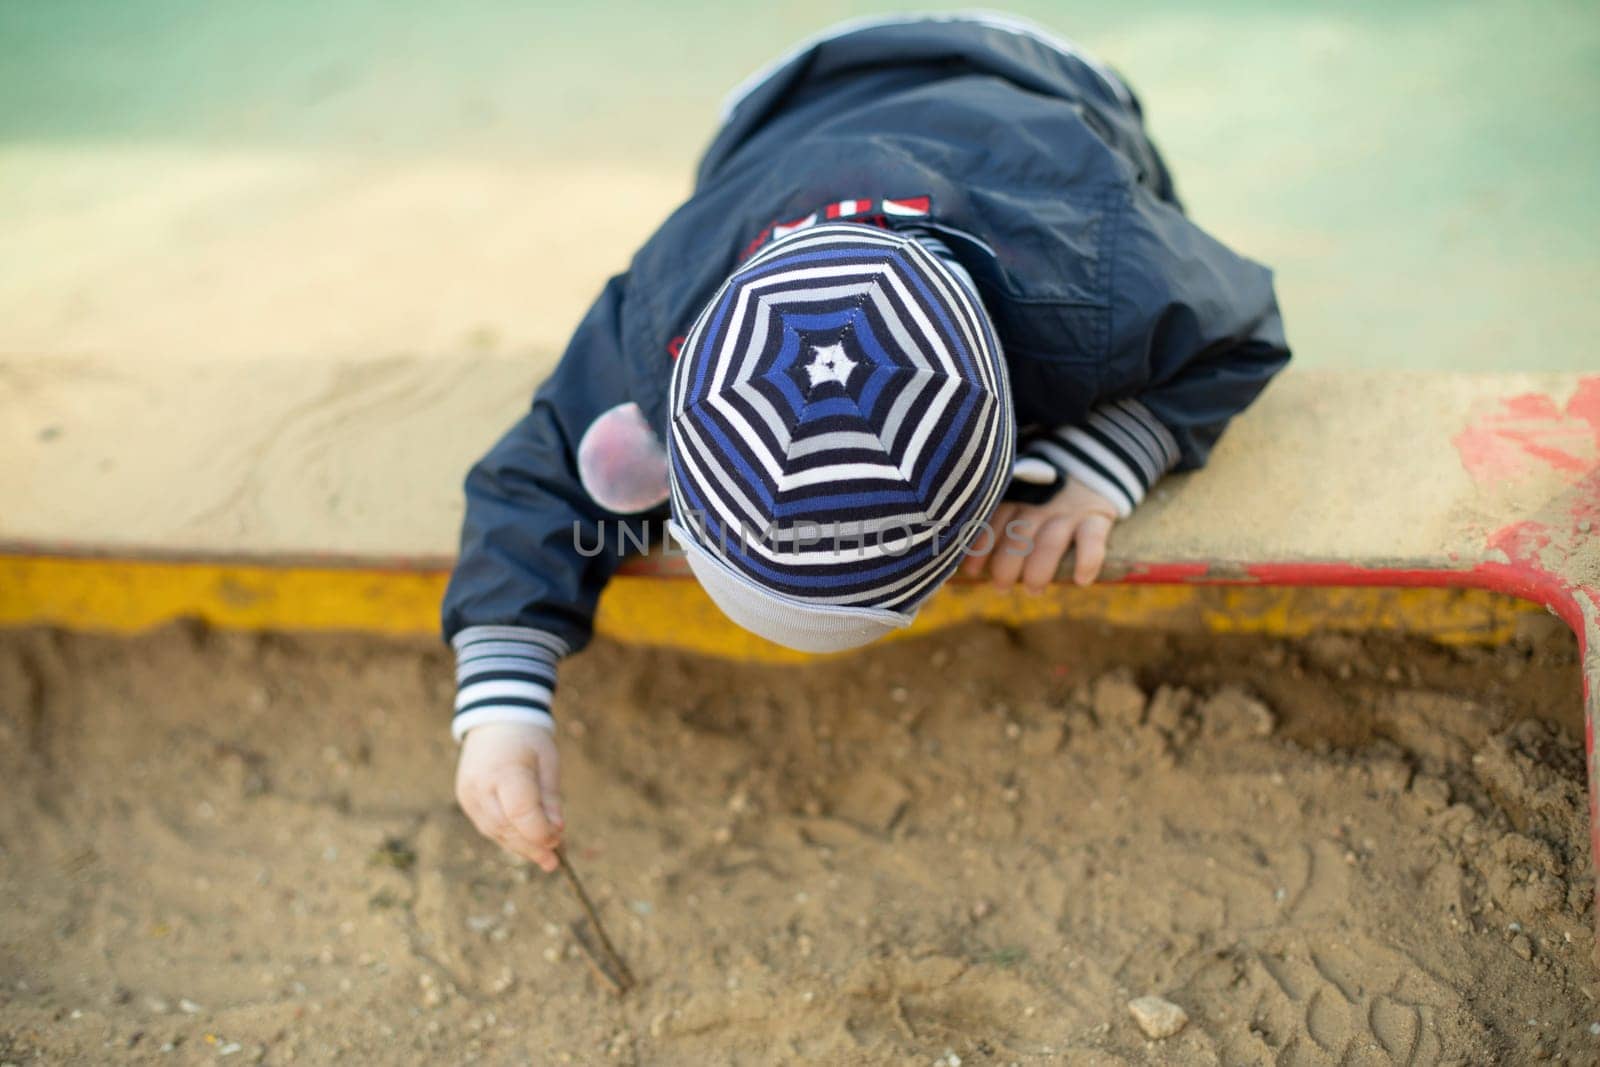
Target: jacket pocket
[{"x": 1051, "y": 274}]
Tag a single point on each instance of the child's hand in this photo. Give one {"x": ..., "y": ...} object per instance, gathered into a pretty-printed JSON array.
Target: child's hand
[
  {"x": 508, "y": 781},
  {"x": 1030, "y": 539}
]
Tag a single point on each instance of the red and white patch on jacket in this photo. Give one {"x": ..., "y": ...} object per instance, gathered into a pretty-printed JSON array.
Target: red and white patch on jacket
[
  {"x": 868, "y": 212},
  {"x": 917, "y": 205},
  {"x": 859, "y": 210}
]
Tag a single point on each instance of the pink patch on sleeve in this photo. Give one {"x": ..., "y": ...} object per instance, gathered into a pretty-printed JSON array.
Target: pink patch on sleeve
[{"x": 621, "y": 462}]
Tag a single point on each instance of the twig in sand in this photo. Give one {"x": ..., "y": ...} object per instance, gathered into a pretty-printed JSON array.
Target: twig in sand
[
  {"x": 623, "y": 980},
  {"x": 902, "y": 1021},
  {"x": 591, "y": 956}
]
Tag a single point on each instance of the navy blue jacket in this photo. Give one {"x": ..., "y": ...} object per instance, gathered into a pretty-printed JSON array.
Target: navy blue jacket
[{"x": 1029, "y": 161}]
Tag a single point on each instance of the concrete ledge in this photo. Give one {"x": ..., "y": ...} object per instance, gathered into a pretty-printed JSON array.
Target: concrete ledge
[
  {"x": 308, "y": 467},
  {"x": 361, "y": 462}
]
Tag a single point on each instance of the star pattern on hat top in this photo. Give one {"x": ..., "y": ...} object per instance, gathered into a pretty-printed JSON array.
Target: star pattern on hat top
[
  {"x": 843, "y": 378},
  {"x": 829, "y": 363}
]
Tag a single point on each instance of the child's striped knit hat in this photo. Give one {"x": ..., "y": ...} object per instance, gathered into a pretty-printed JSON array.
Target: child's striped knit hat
[{"x": 841, "y": 423}]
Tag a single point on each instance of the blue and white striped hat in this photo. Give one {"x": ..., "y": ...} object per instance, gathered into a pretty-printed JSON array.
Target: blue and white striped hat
[{"x": 840, "y": 422}]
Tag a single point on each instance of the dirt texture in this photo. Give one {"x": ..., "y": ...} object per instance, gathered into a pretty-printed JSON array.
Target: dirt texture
[{"x": 979, "y": 847}]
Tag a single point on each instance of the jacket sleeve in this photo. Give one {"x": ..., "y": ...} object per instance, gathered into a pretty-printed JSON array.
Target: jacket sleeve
[
  {"x": 536, "y": 550},
  {"x": 1194, "y": 327}
]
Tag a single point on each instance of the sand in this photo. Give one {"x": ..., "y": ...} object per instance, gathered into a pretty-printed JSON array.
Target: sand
[{"x": 976, "y": 847}]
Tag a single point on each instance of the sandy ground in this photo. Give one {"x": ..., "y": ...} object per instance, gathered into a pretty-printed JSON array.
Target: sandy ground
[{"x": 973, "y": 847}]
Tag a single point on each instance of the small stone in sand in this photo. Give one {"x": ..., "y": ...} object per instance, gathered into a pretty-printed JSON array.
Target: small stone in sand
[
  {"x": 874, "y": 800},
  {"x": 1168, "y": 706},
  {"x": 1118, "y": 700},
  {"x": 1233, "y": 713},
  {"x": 1158, "y": 1018}
]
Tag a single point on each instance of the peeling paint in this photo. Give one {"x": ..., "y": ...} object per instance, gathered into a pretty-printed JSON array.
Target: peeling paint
[{"x": 1529, "y": 433}]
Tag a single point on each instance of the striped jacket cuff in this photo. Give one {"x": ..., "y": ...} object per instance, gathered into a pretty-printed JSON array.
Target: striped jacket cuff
[
  {"x": 1120, "y": 451},
  {"x": 504, "y": 674}
]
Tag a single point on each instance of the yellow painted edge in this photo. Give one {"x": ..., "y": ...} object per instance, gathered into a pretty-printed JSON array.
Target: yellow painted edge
[{"x": 126, "y": 596}]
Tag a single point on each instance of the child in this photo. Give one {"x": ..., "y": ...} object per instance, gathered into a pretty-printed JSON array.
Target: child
[{"x": 933, "y": 287}]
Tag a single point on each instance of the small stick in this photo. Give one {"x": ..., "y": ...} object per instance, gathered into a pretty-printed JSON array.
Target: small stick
[
  {"x": 902, "y": 1021},
  {"x": 624, "y": 976},
  {"x": 591, "y": 956}
]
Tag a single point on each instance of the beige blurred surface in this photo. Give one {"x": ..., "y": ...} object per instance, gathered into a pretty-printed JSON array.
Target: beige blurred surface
[
  {"x": 222, "y": 256},
  {"x": 363, "y": 460},
  {"x": 272, "y": 277}
]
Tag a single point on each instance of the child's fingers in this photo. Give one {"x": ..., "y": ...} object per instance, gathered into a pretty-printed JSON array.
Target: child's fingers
[
  {"x": 530, "y": 831},
  {"x": 1039, "y": 570},
  {"x": 550, "y": 795},
  {"x": 484, "y": 811},
  {"x": 1016, "y": 542},
  {"x": 984, "y": 542},
  {"x": 1091, "y": 539}
]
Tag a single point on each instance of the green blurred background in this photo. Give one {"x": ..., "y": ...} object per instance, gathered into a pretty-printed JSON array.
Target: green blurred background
[{"x": 329, "y": 179}]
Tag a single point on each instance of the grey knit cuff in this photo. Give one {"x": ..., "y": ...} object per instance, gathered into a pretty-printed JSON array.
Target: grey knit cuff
[
  {"x": 504, "y": 674},
  {"x": 1120, "y": 451}
]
